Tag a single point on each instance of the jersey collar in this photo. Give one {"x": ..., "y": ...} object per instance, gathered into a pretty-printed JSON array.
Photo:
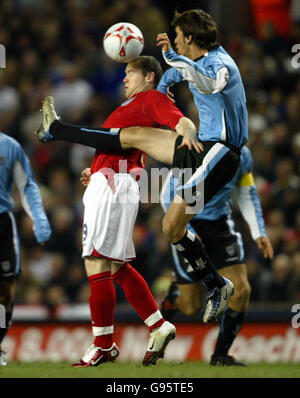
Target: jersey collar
[{"x": 206, "y": 54}]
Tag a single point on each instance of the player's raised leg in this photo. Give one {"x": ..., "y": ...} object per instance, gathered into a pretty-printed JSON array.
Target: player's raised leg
[
  {"x": 157, "y": 143},
  {"x": 52, "y": 129}
]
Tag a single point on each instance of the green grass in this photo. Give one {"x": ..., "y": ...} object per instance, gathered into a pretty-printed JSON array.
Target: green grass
[{"x": 136, "y": 370}]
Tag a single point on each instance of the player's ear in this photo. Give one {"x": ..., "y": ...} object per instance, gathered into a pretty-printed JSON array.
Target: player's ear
[
  {"x": 150, "y": 77},
  {"x": 188, "y": 39}
]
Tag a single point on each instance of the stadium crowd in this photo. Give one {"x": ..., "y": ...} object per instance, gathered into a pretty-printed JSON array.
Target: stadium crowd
[{"x": 54, "y": 48}]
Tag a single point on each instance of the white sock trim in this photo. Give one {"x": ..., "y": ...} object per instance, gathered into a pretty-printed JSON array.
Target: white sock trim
[
  {"x": 114, "y": 345},
  {"x": 179, "y": 247},
  {"x": 153, "y": 318},
  {"x": 101, "y": 331},
  {"x": 190, "y": 235}
]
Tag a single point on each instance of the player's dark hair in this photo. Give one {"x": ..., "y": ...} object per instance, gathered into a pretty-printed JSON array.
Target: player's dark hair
[
  {"x": 147, "y": 64},
  {"x": 200, "y": 25}
]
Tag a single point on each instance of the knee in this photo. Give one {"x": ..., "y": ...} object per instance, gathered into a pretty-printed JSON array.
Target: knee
[
  {"x": 191, "y": 311},
  {"x": 189, "y": 308},
  {"x": 242, "y": 293},
  {"x": 96, "y": 265},
  {"x": 171, "y": 229},
  {"x": 129, "y": 137}
]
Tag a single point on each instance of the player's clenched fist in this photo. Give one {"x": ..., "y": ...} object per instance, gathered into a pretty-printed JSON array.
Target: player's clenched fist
[
  {"x": 163, "y": 42},
  {"x": 85, "y": 177}
]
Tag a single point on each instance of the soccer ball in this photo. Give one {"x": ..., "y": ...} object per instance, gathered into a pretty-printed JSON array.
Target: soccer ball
[{"x": 123, "y": 42}]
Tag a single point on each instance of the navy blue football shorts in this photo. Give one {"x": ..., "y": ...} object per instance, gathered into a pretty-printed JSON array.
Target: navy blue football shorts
[{"x": 9, "y": 247}]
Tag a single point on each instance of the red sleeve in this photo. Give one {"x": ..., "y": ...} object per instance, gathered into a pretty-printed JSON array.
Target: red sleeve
[{"x": 160, "y": 109}]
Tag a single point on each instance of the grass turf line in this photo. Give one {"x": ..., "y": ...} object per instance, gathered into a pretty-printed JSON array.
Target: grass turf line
[{"x": 188, "y": 369}]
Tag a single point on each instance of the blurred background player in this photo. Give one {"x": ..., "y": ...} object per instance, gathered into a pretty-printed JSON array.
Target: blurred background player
[
  {"x": 15, "y": 168},
  {"x": 216, "y": 228}
]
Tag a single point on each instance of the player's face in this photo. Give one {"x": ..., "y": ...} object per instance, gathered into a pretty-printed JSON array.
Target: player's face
[
  {"x": 134, "y": 81},
  {"x": 181, "y": 44}
]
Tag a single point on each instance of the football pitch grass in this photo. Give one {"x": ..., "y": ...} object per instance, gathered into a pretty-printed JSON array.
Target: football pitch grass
[{"x": 127, "y": 370}]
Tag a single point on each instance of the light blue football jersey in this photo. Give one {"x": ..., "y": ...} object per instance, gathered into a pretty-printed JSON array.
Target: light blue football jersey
[
  {"x": 218, "y": 91},
  {"x": 15, "y": 167}
]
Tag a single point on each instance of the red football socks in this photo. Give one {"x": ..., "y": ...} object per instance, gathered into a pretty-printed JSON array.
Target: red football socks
[
  {"x": 138, "y": 294},
  {"x": 102, "y": 305}
]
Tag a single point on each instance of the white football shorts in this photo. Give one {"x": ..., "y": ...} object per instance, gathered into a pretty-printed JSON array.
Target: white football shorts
[{"x": 110, "y": 212}]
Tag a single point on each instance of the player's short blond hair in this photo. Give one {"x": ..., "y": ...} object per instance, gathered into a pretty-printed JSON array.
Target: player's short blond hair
[{"x": 147, "y": 64}]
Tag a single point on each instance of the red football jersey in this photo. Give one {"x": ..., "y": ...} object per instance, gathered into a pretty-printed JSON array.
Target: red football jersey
[{"x": 146, "y": 109}]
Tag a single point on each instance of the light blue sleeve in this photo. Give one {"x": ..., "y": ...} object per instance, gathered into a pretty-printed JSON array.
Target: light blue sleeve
[
  {"x": 208, "y": 79},
  {"x": 248, "y": 199},
  {"x": 30, "y": 195},
  {"x": 170, "y": 77}
]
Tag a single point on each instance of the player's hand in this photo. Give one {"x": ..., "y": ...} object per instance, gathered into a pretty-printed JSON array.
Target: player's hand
[
  {"x": 190, "y": 140},
  {"x": 265, "y": 246},
  {"x": 171, "y": 96},
  {"x": 163, "y": 42},
  {"x": 85, "y": 177}
]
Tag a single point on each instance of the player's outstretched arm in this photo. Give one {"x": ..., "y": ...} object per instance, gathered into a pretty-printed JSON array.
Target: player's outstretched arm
[
  {"x": 187, "y": 129},
  {"x": 30, "y": 196},
  {"x": 209, "y": 80},
  {"x": 250, "y": 207}
]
